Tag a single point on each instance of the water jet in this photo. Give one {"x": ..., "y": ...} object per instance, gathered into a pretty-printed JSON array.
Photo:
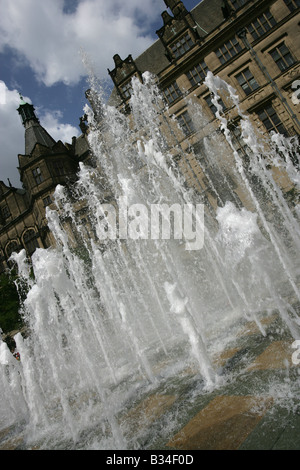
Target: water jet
[{"x": 114, "y": 322}]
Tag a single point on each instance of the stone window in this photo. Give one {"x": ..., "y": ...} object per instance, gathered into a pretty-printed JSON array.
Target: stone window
[
  {"x": 230, "y": 49},
  {"x": 5, "y": 212},
  {"x": 261, "y": 25},
  {"x": 182, "y": 45},
  {"x": 211, "y": 105},
  {"x": 172, "y": 92},
  {"x": 247, "y": 81},
  {"x": 38, "y": 177},
  {"x": 126, "y": 90},
  {"x": 12, "y": 247},
  {"x": 186, "y": 123},
  {"x": 271, "y": 121},
  {"x": 198, "y": 73},
  {"x": 292, "y": 4},
  {"x": 47, "y": 201},
  {"x": 238, "y": 142},
  {"x": 239, "y": 3},
  {"x": 30, "y": 241},
  {"x": 282, "y": 57}
]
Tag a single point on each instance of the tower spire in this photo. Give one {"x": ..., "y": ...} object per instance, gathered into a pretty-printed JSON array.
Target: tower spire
[
  {"x": 26, "y": 111},
  {"x": 176, "y": 6},
  {"x": 34, "y": 132}
]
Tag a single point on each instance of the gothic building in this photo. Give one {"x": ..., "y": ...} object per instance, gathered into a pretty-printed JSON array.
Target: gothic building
[
  {"x": 252, "y": 44},
  {"x": 45, "y": 164}
]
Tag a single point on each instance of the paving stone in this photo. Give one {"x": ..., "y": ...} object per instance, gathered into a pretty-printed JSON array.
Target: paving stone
[
  {"x": 278, "y": 355},
  {"x": 274, "y": 431},
  {"x": 223, "y": 424}
]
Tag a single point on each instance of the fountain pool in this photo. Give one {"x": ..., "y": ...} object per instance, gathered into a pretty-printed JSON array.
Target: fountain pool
[{"x": 123, "y": 318}]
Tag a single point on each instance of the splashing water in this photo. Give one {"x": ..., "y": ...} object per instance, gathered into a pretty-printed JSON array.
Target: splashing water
[{"x": 114, "y": 318}]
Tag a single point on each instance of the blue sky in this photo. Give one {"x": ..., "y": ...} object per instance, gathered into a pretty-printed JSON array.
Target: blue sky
[{"x": 41, "y": 46}]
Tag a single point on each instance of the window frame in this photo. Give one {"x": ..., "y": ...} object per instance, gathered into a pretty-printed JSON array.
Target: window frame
[
  {"x": 271, "y": 121},
  {"x": 281, "y": 60},
  {"x": 126, "y": 90},
  {"x": 186, "y": 123},
  {"x": 37, "y": 175},
  {"x": 247, "y": 80},
  {"x": 212, "y": 106},
  {"x": 239, "y": 144},
  {"x": 15, "y": 248},
  {"x": 225, "y": 54},
  {"x": 30, "y": 241},
  {"x": 47, "y": 201},
  {"x": 5, "y": 212},
  {"x": 181, "y": 45},
  {"x": 292, "y": 5},
  {"x": 237, "y": 4},
  {"x": 266, "y": 22},
  {"x": 198, "y": 73},
  {"x": 169, "y": 94}
]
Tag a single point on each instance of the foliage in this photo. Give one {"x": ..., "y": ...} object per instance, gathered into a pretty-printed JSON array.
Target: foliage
[{"x": 10, "y": 318}]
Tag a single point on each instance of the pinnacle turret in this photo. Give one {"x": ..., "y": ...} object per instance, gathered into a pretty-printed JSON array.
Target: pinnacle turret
[
  {"x": 34, "y": 132},
  {"x": 26, "y": 112}
]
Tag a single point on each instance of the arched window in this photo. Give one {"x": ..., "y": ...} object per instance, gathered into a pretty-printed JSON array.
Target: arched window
[
  {"x": 11, "y": 247},
  {"x": 30, "y": 241}
]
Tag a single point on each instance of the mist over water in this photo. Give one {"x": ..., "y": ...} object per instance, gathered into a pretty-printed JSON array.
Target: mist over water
[{"x": 112, "y": 319}]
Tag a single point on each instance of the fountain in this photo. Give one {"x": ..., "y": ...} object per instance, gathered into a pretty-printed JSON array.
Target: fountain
[{"x": 129, "y": 306}]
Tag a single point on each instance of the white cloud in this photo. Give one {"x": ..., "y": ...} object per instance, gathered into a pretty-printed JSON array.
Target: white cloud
[
  {"x": 50, "y": 120},
  {"x": 11, "y": 136},
  {"x": 12, "y": 132},
  {"x": 51, "y": 40}
]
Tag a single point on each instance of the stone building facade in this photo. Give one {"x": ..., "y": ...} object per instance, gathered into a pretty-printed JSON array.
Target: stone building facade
[
  {"x": 252, "y": 44},
  {"x": 45, "y": 164}
]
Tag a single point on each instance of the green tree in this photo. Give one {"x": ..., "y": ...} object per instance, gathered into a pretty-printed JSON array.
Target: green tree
[{"x": 10, "y": 318}]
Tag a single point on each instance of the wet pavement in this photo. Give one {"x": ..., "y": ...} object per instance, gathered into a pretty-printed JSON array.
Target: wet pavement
[
  {"x": 255, "y": 407},
  {"x": 259, "y": 408}
]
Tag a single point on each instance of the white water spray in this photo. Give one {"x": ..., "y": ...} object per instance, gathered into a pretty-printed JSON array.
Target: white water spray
[{"x": 109, "y": 319}]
